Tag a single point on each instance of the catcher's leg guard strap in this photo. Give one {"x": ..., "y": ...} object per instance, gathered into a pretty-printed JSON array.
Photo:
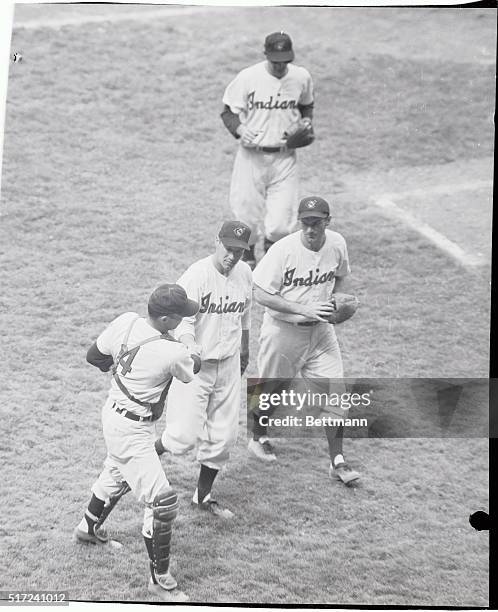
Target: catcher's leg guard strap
[
  {"x": 165, "y": 508},
  {"x": 150, "y": 551},
  {"x": 123, "y": 490}
]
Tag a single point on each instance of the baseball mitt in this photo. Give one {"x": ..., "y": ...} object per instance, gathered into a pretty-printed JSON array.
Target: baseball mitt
[
  {"x": 345, "y": 306},
  {"x": 299, "y": 134}
]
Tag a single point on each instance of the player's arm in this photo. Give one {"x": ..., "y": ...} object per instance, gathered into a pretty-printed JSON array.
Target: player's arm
[
  {"x": 246, "y": 315},
  {"x": 98, "y": 359},
  {"x": 185, "y": 365},
  {"x": 316, "y": 311},
  {"x": 100, "y": 353},
  {"x": 306, "y": 99},
  {"x": 237, "y": 128},
  {"x": 235, "y": 102},
  {"x": 193, "y": 349},
  {"x": 306, "y": 111},
  {"x": 189, "y": 341},
  {"x": 244, "y": 351},
  {"x": 340, "y": 285},
  {"x": 231, "y": 121},
  {"x": 244, "y": 340}
]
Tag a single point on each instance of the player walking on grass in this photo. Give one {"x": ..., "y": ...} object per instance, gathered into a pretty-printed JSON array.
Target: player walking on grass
[
  {"x": 205, "y": 413},
  {"x": 144, "y": 359},
  {"x": 260, "y": 105},
  {"x": 294, "y": 281}
]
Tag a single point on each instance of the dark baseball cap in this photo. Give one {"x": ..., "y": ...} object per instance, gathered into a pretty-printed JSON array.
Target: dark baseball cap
[
  {"x": 171, "y": 299},
  {"x": 313, "y": 206},
  {"x": 278, "y": 47},
  {"x": 235, "y": 234}
]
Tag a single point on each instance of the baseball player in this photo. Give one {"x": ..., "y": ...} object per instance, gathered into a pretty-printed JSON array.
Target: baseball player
[
  {"x": 144, "y": 359},
  {"x": 294, "y": 281},
  {"x": 260, "y": 105},
  {"x": 205, "y": 413}
]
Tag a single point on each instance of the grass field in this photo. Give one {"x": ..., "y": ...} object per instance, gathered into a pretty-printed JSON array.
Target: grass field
[{"x": 115, "y": 178}]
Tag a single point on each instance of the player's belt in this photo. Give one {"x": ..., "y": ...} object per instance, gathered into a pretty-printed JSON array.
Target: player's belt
[
  {"x": 308, "y": 323},
  {"x": 272, "y": 149},
  {"x": 131, "y": 415}
]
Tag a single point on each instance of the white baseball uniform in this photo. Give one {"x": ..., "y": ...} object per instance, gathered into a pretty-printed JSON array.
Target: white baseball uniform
[
  {"x": 206, "y": 412},
  {"x": 131, "y": 455},
  {"x": 290, "y": 345},
  {"x": 269, "y": 105}
]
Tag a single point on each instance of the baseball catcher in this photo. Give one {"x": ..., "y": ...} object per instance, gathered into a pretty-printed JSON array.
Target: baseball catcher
[{"x": 143, "y": 347}]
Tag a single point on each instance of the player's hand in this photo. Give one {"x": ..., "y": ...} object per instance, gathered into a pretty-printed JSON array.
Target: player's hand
[
  {"x": 247, "y": 135},
  {"x": 319, "y": 311}
]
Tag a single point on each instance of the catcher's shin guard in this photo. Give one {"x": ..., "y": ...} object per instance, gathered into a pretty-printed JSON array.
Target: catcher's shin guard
[
  {"x": 165, "y": 508},
  {"x": 112, "y": 501}
]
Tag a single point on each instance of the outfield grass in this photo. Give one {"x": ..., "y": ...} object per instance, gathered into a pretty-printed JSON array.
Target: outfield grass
[{"x": 115, "y": 178}]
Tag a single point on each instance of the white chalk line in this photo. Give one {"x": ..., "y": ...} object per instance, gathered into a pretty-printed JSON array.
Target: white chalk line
[
  {"x": 121, "y": 16},
  {"x": 441, "y": 189},
  {"x": 439, "y": 240}
]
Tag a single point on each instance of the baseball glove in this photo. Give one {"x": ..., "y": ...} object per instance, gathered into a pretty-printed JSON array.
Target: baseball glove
[
  {"x": 299, "y": 134},
  {"x": 345, "y": 306}
]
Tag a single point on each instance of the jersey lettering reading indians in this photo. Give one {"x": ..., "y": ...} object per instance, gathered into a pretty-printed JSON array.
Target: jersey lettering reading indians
[
  {"x": 300, "y": 274},
  {"x": 225, "y": 304},
  {"x": 267, "y": 104}
]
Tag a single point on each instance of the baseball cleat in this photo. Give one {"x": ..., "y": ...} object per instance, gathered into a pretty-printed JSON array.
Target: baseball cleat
[
  {"x": 99, "y": 537},
  {"x": 213, "y": 507},
  {"x": 171, "y": 594},
  {"x": 166, "y": 581},
  {"x": 262, "y": 450},
  {"x": 343, "y": 472}
]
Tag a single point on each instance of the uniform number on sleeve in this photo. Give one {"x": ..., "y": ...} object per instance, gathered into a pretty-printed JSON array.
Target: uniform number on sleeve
[{"x": 126, "y": 361}]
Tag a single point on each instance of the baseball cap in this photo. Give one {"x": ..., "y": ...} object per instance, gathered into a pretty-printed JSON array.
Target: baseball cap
[
  {"x": 278, "y": 47},
  {"x": 235, "y": 234},
  {"x": 313, "y": 206},
  {"x": 171, "y": 299}
]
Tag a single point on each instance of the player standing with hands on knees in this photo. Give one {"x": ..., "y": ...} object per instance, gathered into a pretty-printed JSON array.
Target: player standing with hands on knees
[
  {"x": 295, "y": 281},
  {"x": 144, "y": 359},
  {"x": 262, "y": 106},
  {"x": 205, "y": 413}
]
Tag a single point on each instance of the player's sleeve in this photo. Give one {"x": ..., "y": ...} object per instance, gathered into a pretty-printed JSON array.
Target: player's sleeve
[
  {"x": 107, "y": 339},
  {"x": 100, "y": 360},
  {"x": 344, "y": 268},
  {"x": 235, "y": 96},
  {"x": 183, "y": 365},
  {"x": 246, "y": 317},
  {"x": 307, "y": 95},
  {"x": 268, "y": 273},
  {"x": 231, "y": 121},
  {"x": 190, "y": 281}
]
